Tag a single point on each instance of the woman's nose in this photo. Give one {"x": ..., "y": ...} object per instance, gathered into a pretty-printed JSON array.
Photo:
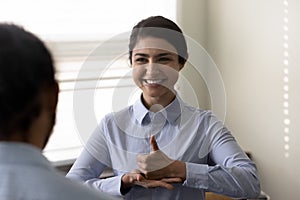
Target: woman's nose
[{"x": 153, "y": 69}]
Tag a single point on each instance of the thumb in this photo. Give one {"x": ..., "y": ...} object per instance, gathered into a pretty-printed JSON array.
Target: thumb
[{"x": 153, "y": 143}]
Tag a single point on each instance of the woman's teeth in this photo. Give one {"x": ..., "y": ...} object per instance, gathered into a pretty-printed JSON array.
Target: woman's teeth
[{"x": 154, "y": 81}]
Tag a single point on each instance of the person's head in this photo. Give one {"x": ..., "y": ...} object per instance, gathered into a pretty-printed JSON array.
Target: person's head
[
  {"x": 157, "y": 52},
  {"x": 28, "y": 89},
  {"x": 162, "y": 28}
]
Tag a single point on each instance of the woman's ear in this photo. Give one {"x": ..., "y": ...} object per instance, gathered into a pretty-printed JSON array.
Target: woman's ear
[
  {"x": 181, "y": 65},
  {"x": 129, "y": 63}
]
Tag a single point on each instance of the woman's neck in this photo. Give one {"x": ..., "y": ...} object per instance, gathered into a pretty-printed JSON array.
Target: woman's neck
[{"x": 155, "y": 104}]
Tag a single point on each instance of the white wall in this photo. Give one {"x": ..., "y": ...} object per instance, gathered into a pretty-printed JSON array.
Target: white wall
[
  {"x": 199, "y": 34},
  {"x": 245, "y": 39}
]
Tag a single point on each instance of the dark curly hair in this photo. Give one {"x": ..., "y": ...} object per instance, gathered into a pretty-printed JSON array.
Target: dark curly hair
[
  {"x": 26, "y": 68},
  {"x": 159, "y": 27}
]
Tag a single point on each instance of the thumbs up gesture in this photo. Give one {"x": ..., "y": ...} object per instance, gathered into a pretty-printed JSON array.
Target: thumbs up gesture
[
  {"x": 153, "y": 143},
  {"x": 155, "y": 164}
]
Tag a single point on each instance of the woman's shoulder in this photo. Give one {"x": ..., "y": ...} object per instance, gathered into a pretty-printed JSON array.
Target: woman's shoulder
[
  {"x": 119, "y": 114},
  {"x": 198, "y": 114},
  {"x": 197, "y": 111}
]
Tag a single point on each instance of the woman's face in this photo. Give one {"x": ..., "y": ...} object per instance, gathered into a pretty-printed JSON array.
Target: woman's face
[{"x": 155, "y": 67}]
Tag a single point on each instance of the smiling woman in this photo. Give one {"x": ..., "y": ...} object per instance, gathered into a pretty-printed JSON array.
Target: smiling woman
[
  {"x": 155, "y": 70},
  {"x": 160, "y": 147},
  {"x": 72, "y": 30}
]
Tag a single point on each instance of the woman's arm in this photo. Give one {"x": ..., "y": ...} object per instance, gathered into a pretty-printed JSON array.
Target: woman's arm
[
  {"x": 87, "y": 170},
  {"x": 233, "y": 173}
]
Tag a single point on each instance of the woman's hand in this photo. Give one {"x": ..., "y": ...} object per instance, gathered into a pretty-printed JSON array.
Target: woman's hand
[
  {"x": 158, "y": 165},
  {"x": 137, "y": 178}
]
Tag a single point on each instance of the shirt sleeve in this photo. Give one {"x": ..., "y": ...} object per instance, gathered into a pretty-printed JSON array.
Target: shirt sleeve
[
  {"x": 232, "y": 173},
  {"x": 87, "y": 170},
  {"x": 93, "y": 160}
]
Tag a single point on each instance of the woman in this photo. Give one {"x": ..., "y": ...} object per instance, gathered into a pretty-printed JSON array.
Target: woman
[{"x": 160, "y": 147}]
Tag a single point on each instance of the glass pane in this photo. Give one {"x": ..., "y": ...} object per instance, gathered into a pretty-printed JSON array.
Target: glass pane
[{"x": 82, "y": 19}]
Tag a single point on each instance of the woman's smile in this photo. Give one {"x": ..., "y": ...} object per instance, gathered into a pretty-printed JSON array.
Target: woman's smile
[{"x": 155, "y": 69}]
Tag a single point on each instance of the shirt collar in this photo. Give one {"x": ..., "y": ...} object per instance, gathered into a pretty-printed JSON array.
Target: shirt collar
[
  {"x": 140, "y": 111},
  {"x": 172, "y": 111}
]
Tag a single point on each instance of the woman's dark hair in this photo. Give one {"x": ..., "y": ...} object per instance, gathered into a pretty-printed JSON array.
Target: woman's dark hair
[
  {"x": 159, "y": 27},
  {"x": 26, "y": 68}
]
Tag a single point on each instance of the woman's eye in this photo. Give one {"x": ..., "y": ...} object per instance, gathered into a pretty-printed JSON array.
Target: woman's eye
[
  {"x": 164, "y": 59},
  {"x": 140, "y": 60}
]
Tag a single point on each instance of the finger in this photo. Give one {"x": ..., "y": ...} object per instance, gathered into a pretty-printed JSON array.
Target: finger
[
  {"x": 142, "y": 167},
  {"x": 141, "y": 158},
  {"x": 136, "y": 171},
  {"x": 172, "y": 180},
  {"x": 153, "y": 143},
  {"x": 160, "y": 184},
  {"x": 140, "y": 177},
  {"x": 153, "y": 184}
]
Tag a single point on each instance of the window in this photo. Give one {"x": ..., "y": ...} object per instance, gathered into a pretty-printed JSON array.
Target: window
[{"x": 74, "y": 31}]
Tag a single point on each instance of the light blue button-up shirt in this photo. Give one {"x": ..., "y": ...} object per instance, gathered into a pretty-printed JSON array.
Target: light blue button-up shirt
[
  {"x": 214, "y": 160},
  {"x": 25, "y": 174}
]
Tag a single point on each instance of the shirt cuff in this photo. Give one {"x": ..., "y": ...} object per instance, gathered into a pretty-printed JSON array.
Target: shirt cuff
[
  {"x": 196, "y": 176},
  {"x": 110, "y": 185}
]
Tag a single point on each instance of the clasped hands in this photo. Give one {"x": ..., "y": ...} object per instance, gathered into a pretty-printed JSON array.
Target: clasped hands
[{"x": 156, "y": 169}]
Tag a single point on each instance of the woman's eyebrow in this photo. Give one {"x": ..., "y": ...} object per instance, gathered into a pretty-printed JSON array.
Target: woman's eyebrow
[
  {"x": 158, "y": 55},
  {"x": 141, "y": 54},
  {"x": 164, "y": 54}
]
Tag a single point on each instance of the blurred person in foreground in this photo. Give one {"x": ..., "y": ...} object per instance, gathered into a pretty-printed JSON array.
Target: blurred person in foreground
[{"x": 28, "y": 99}]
